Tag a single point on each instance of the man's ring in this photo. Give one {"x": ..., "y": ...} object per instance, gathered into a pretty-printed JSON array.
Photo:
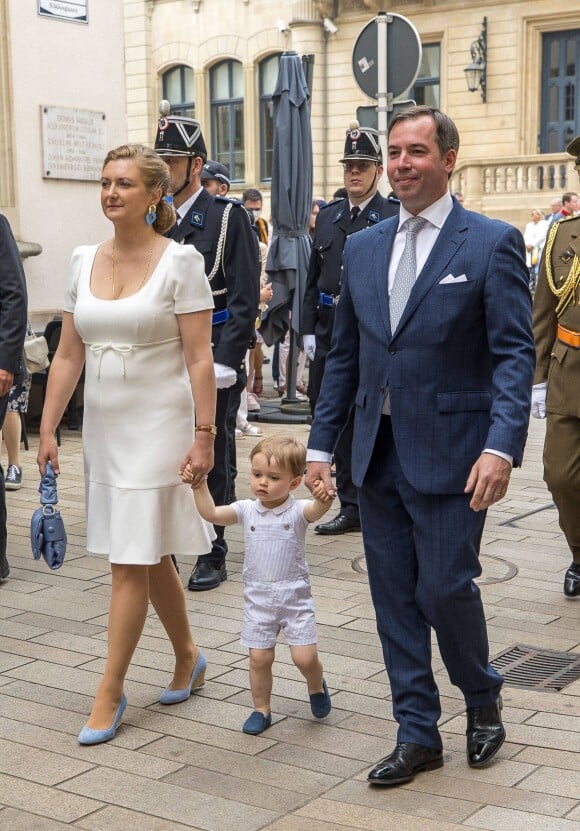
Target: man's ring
[{"x": 498, "y": 493}]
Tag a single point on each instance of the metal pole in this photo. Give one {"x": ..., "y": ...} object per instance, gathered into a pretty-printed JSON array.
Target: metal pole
[{"x": 383, "y": 102}]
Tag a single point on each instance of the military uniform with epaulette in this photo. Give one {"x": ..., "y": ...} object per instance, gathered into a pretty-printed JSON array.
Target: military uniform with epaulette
[
  {"x": 220, "y": 230},
  {"x": 557, "y": 335},
  {"x": 333, "y": 226}
]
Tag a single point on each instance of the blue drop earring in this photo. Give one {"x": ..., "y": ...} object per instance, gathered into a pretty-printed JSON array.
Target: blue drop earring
[{"x": 151, "y": 215}]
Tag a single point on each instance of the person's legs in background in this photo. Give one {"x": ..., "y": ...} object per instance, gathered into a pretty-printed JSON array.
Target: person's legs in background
[
  {"x": 12, "y": 432},
  {"x": 252, "y": 403},
  {"x": 300, "y": 385},
  {"x": 275, "y": 365},
  {"x": 283, "y": 350},
  {"x": 256, "y": 366}
]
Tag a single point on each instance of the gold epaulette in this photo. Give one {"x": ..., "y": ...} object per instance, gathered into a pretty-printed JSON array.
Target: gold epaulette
[{"x": 568, "y": 292}]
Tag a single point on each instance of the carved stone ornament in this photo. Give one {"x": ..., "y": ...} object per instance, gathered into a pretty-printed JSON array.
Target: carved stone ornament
[
  {"x": 354, "y": 5},
  {"x": 326, "y": 8}
]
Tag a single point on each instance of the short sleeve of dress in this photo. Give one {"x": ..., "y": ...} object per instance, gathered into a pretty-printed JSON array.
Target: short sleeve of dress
[
  {"x": 72, "y": 279},
  {"x": 186, "y": 271}
]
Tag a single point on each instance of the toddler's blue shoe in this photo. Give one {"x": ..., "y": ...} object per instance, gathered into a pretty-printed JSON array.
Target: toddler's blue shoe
[
  {"x": 90, "y": 736},
  {"x": 320, "y": 703},
  {"x": 197, "y": 680},
  {"x": 257, "y": 723}
]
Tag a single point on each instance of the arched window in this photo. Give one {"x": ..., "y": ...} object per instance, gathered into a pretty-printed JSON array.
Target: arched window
[
  {"x": 268, "y": 75},
  {"x": 226, "y": 85},
  {"x": 178, "y": 89}
]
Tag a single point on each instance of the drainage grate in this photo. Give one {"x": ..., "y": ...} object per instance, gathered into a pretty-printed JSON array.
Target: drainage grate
[{"x": 531, "y": 668}]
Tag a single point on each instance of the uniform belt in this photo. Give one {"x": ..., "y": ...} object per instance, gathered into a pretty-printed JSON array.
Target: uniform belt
[
  {"x": 568, "y": 337},
  {"x": 328, "y": 299},
  {"x": 220, "y": 317}
]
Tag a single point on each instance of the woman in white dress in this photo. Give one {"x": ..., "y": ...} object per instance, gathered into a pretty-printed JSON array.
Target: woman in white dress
[{"x": 137, "y": 315}]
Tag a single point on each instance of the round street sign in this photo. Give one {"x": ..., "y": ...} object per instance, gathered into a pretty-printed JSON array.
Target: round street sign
[{"x": 403, "y": 56}]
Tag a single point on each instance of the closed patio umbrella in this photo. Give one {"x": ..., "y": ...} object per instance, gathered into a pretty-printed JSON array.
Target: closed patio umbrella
[{"x": 289, "y": 252}]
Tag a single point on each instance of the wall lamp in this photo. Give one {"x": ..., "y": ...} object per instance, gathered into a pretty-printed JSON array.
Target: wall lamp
[{"x": 476, "y": 72}]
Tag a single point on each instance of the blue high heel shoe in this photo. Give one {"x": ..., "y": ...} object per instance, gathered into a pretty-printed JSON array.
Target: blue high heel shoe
[
  {"x": 90, "y": 736},
  {"x": 197, "y": 680}
]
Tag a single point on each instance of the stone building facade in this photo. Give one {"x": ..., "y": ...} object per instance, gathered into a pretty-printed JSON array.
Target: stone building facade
[
  {"x": 62, "y": 99},
  {"x": 217, "y": 58}
]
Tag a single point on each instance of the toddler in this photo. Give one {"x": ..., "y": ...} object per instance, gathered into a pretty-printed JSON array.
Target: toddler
[{"x": 277, "y": 591}]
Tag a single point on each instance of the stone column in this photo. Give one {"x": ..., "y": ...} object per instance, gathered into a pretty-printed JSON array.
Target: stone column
[
  {"x": 141, "y": 108},
  {"x": 308, "y": 38},
  {"x": 251, "y": 127},
  {"x": 202, "y": 112}
]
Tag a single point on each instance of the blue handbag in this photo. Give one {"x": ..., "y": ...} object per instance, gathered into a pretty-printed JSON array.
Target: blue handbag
[{"x": 47, "y": 531}]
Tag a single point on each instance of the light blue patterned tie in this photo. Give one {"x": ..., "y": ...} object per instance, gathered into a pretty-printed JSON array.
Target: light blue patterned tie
[{"x": 406, "y": 272}]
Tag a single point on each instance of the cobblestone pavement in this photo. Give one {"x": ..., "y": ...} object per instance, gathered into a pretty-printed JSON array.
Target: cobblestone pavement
[{"x": 191, "y": 767}]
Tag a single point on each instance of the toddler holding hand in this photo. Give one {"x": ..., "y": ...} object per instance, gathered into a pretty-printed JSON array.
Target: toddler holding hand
[{"x": 277, "y": 594}]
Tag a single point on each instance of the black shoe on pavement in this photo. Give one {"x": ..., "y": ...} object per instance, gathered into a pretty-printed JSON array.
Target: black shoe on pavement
[
  {"x": 205, "y": 576},
  {"x": 485, "y": 733},
  {"x": 406, "y": 760},
  {"x": 4, "y": 569},
  {"x": 572, "y": 581},
  {"x": 341, "y": 524}
]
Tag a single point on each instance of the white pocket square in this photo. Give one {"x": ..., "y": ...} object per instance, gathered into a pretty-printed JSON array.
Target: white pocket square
[{"x": 451, "y": 279}]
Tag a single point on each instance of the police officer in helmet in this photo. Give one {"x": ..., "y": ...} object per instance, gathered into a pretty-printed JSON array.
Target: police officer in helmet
[
  {"x": 220, "y": 230},
  {"x": 362, "y": 207}
]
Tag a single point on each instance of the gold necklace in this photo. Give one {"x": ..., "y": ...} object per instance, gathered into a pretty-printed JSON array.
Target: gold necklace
[{"x": 142, "y": 283}]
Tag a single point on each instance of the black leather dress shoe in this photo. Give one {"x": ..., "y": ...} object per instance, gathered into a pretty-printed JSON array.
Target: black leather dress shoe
[
  {"x": 406, "y": 760},
  {"x": 205, "y": 577},
  {"x": 339, "y": 525},
  {"x": 485, "y": 733},
  {"x": 572, "y": 581}
]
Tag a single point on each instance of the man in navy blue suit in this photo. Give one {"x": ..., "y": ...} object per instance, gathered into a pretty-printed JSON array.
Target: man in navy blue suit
[{"x": 433, "y": 344}]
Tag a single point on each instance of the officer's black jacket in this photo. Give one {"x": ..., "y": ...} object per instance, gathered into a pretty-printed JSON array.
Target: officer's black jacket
[
  {"x": 333, "y": 226},
  {"x": 240, "y": 274}
]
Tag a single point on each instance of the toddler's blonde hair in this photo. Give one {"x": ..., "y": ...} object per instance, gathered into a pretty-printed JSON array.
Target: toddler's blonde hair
[{"x": 289, "y": 454}]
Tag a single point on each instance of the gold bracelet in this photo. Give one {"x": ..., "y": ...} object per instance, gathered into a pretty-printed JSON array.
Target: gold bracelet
[{"x": 207, "y": 428}]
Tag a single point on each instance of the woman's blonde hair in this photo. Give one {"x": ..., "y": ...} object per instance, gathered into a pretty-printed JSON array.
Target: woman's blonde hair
[
  {"x": 155, "y": 174},
  {"x": 288, "y": 453}
]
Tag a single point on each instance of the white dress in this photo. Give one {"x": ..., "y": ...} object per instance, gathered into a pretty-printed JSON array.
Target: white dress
[{"x": 138, "y": 410}]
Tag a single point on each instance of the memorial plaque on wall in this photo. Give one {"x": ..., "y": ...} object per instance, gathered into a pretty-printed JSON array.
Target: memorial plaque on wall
[
  {"x": 74, "y": 10},
  {"x": 73, "y": 143}
]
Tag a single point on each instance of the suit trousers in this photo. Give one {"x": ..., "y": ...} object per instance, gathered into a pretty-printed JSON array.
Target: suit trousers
[
  {"x": 422, "y": 556},
  {"x": 562, "y": 474},
  {"x": 347, "y": 492},
  {"x": 221, "y": 478},
  {"x": 3, "y": 515}
]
